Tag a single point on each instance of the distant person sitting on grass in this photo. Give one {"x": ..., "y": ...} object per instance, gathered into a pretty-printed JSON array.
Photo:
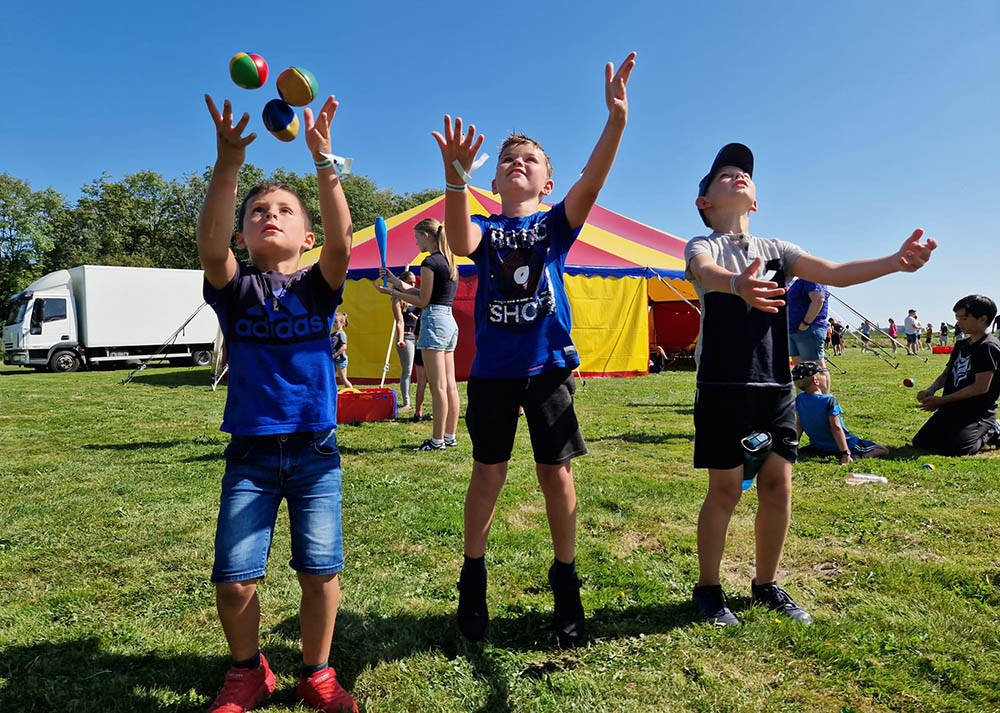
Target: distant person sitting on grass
[
  {"x": 965, "y": 415},
  {"x": 281, "y": 407},
  {"x": 744, "y": 396},
  {"x": 820, "y": 415}
]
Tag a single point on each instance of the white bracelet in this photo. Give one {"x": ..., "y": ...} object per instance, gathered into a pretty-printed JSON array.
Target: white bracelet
[
  {"x": 732, "y": 283},
  {"x": 467, "y": 175},
  {"x": 460, "y": 187}
]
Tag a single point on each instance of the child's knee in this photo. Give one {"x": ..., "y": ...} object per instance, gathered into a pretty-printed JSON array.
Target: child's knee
[
  {"x": 235, "y": 592},
  {"x": 724, "y": 495},
  {"x": 317, "y": 584}
]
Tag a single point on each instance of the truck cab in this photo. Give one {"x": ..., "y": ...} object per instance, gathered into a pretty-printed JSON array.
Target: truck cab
[{"x": 40, "y": 329}]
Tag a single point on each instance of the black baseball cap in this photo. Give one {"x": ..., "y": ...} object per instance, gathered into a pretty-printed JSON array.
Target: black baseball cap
[
  {"x": 804, "y": 369},
  {"x": 738, "y": 155}
]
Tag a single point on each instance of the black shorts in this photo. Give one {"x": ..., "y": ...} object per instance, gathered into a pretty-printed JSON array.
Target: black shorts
[
  {"x": 725, "y": 415},
  {"x": 418, "y": 357},
  {"x": 547, "y": 398},
  {"x": 948, "y": 435}
]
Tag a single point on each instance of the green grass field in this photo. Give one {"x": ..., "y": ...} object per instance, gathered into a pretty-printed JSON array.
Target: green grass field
[{"x": 106, "y": 534}]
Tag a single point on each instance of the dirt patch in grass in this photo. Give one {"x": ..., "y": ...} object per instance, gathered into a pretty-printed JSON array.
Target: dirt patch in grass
[{"x": 525, "y": 515}]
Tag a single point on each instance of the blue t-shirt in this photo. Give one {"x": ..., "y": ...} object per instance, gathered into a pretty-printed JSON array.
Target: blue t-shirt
[
  {"x": 814, "y": 415},
  {"x": 798, "y": 302},
  {"x": 522, "y": 314},
  {"x": 277, "y": 332}
]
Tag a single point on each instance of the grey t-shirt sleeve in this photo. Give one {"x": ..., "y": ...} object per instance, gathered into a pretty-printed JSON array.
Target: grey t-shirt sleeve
[
  {"x": 695, "y": 246},
  {"x": 790, "y": 252}
]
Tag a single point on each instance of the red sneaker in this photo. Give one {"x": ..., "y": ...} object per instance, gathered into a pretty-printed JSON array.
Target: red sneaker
[
  {"x": 323, "y": 692},
  {"x": 244, "y": 689}
]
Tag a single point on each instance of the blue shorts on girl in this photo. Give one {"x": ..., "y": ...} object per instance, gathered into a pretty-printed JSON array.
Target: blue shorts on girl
[{"x": 281, "y": 410}]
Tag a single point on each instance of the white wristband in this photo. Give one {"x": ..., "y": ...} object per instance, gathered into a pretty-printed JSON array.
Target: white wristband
[
  {"x": 732, "y": 283},
  {"x": 341, "y": 164},
  {"x": 467, "y": 175}
]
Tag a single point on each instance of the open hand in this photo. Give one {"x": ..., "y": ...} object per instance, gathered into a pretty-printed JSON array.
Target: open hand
[
  {"x": 455, "y": 146},
  {"x": 759, "y": 294},
  {"x": 383, "y": 290},
  {"x": 230, "y": 142},
  {"x": 318, "y": 131},
  {"x": 913, "y": 254},
  {"x": 614, "y": 87}
]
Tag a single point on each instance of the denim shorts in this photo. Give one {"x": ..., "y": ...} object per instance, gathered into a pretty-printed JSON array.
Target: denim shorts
[
  {"x": 438, "y": 329},
  {"x": 302, "y": 468},
  {"x": 808, "y": 344},
  {"x": 340, "y": 362}
]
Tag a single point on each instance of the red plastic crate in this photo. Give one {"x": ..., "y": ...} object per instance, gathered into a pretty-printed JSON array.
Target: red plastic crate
[
  {"x": 941, "y": 350},
  {"x": 355, "y": 405}
]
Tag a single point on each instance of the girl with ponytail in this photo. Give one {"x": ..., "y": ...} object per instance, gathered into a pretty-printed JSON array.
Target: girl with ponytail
[{"x": 438, "y": 330}]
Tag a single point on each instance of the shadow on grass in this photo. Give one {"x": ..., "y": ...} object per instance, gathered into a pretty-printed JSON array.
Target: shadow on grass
[
  {"x": 195, "y": 376},
  {"x": 683, "y": 407},
  {"x": 38, "y": 678},
  {"x": 655, "y": 438}
]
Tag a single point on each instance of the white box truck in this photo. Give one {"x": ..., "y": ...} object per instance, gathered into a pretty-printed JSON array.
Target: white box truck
[{"x": 91, "y": 315}]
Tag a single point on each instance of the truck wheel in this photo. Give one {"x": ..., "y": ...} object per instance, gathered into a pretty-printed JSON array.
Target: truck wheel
[
  {"x": 64, "y": 361},
  {"x": 201, "y": 357}
]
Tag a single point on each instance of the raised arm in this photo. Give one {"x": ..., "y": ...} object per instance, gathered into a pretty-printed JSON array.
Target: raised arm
[
  {"x": 215, "y": 224},
  {"x": 909, "y": 258},
  {"x": 759, "y": 294},
  {"x": 583, "y": 195},
  {"x": 463, "y": 235},
  {"x": 333, "y": 208}
]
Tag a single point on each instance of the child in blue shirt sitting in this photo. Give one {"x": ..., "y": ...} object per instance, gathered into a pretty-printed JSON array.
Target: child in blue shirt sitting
[{"x": 820, "y": 416}]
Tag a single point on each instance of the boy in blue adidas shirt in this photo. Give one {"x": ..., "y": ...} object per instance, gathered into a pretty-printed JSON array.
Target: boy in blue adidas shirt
[
  {"x": 524, "y": 354},
  {"x": 280, "y": 406}
]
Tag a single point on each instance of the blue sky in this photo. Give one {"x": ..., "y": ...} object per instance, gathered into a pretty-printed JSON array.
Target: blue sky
[{"x": 867, "y": 119}]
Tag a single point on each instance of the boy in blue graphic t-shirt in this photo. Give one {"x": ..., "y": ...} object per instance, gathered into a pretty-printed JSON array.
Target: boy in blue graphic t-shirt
[
  {"x": 280, "y": 406},
  {"x": 524, "y": 354}
]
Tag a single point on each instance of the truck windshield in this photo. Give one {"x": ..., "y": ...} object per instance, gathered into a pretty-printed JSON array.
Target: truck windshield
[{"x": 15, "y": 315}]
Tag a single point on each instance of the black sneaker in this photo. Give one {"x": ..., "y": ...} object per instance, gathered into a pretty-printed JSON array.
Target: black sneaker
[
  {"x": 994, "y": 439},
  {"x": 473, "y": 612},
  {"x": 429, "y": 445},
  {"x": 567, "y": 616},
  {"x": 711, "y": 603},
  {"x": 776, "y": 599}
]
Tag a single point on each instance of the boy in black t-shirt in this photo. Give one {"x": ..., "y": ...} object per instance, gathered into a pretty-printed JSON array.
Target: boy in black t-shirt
[
  {"x": 965, "y": 415},
  {"x": 743, "y": 402}
]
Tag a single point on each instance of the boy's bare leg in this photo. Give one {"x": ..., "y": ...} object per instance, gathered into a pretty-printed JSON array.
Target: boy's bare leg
[
  {"x": 480, "y": 504},
  {"x": 239, "y": 612},
  {"x": 317, "y": 615},
  {"x": 724, "y": 490},
  {"x": 774, "y": 511},
  {"x": 557, "y": 486}
]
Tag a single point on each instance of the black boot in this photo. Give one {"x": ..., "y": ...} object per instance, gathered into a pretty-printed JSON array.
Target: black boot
[
  {"x": 571, "y": 629},
  {"x": 473, "y": 614}
]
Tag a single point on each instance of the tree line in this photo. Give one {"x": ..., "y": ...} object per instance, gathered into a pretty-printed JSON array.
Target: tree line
[{"x": 144, "y": 220}]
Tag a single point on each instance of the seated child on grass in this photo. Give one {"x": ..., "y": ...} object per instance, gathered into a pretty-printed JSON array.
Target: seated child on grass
[
  {"x": 965, "y": 415},
  {"x": 820, "y": 416}
]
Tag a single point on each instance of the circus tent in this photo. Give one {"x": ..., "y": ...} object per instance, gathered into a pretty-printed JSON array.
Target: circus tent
[{"x": 624, "y": 281}]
